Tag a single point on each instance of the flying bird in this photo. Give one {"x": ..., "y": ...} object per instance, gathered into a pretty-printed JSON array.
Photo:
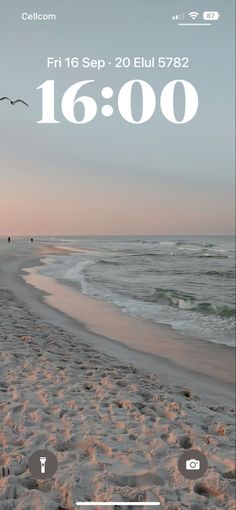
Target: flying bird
[{"x": 14, "y": 102}]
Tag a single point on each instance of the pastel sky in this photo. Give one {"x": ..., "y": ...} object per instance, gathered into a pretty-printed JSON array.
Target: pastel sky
[{"x": 111, "y": 177}]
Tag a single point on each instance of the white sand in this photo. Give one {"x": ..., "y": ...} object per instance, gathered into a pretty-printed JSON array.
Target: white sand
[{"x": 116, "y": 429}]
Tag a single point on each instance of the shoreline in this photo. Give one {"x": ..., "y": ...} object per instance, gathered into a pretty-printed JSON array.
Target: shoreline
[
  {"x": 107, "y": 320},
  {"x": 117, "y": 419},
  {"x": 179, "y": 360}
]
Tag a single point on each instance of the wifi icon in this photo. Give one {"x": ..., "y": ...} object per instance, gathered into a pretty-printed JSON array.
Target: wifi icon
[{"x": 193, "y": 15}]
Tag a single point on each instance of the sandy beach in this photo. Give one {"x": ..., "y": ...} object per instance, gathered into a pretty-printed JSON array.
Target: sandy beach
[{"x": 117, "y": 416}]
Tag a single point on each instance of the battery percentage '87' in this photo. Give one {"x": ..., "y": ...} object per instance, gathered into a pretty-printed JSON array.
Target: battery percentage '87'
[{"x": 211, "y": 15}]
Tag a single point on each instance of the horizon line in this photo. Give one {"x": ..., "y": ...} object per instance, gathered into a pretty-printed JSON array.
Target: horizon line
[{"x": 119, "y": 235}]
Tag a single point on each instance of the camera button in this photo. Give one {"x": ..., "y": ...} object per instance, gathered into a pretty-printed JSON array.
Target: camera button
[{"x": 193, "y": 464}]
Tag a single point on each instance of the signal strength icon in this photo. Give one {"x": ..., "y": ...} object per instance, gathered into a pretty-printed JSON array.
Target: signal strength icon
[
  {"x": 193, "y": 15},
  {"x": 178, "y": 17}
]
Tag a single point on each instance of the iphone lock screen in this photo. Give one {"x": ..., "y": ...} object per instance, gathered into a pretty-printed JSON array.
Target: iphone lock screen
[{"x": 117, "y": 255}]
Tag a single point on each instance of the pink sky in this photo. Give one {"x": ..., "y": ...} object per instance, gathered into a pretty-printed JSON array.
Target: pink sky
[{"x": 29, "y": 207}]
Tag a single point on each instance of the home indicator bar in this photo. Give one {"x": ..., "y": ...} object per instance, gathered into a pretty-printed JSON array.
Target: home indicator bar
[{"x": 117, "y": 503}]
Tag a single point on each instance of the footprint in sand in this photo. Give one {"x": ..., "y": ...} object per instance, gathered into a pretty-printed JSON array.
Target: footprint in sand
[
  {"x": 14, "y": 468},
  {"x": 4, "y": 386},
  {"x": 139, "y": 480},
  {"x": 203, "y": 489}
]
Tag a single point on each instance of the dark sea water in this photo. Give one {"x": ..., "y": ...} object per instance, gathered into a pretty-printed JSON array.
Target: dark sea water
[{"x": 186, "y": 282}]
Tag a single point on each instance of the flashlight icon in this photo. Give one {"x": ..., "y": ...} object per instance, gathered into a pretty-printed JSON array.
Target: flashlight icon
[
  {"x": 211, "y": 15},
  {"x": 42, "y": 464}
]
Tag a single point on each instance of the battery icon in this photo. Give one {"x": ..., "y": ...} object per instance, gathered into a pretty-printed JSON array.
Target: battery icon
[{"x": 211, "y": 15}]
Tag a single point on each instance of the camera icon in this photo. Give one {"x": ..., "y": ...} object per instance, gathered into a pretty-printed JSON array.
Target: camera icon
[{"x": 193, "y": 465}]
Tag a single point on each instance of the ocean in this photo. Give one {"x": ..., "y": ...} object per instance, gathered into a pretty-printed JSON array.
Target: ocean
[{"x": 185, "y": 282}]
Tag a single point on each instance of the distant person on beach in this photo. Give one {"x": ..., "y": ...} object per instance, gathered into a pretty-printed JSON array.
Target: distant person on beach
[
  {"x": 9, "y": 239},
  {"x": 32, "y": 240}
]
